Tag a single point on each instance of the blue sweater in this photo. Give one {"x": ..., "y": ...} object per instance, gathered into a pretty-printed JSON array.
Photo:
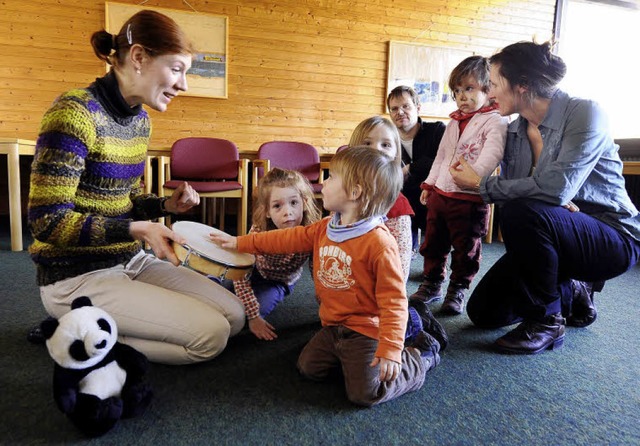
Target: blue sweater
[{"x": 579, "y": 162}]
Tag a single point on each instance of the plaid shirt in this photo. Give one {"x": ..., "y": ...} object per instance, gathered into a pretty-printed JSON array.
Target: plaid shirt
[{"x": 286, "y": 268}]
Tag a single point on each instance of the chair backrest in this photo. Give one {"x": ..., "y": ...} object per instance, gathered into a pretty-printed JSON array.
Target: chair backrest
[
  {"x": 292, "y": 155},
  {"x": 343, "y": 147},
  {"x": 204, "y": 159}
]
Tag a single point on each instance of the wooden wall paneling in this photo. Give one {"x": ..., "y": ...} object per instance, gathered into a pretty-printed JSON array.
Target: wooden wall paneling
[{"x": 298, "y": 69}]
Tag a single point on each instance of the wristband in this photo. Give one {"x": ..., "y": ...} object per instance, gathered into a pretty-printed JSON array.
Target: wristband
[{"x": 162, "y": 205}]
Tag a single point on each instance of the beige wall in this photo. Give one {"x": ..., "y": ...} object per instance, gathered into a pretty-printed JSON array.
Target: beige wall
[{"x": 308, "y": 70}]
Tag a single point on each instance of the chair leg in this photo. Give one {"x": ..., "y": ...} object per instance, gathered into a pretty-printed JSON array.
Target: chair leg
[
  {"x": 241, "y": 226},
  {"x": 243, "y": 213},
  {"x": 203, "y": 211},
  {"x": 161, "y": 194},
  {"x": 214, "y": 212},
  {"x": 222, "y": 212},
  {"x": 489, "y": 237}
]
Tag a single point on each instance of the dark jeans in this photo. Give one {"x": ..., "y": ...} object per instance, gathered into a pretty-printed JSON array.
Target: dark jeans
[
  {"x": 546, "y": 246},
  {"x": 339, "y": 346},
  {"x": 268, "y": 292},
  {"x": 453, "y": 223}
]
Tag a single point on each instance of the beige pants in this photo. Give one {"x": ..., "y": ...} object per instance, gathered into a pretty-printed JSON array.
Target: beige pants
[{"x": 171, "y": 314}]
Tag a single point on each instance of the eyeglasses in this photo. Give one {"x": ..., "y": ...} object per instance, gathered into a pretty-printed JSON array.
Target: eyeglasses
[{"x": 405, "y": 108}]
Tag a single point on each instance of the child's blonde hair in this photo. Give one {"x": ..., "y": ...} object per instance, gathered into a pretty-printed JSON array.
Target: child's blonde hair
[
  {"x": 379, "y": 177},
  {"x": 362, "y": 130},
  {"x": 282, "y": 178}
]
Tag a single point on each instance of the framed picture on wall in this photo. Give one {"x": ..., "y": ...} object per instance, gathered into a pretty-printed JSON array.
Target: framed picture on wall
[
  {"x": 209, "y": 33},
  {"x": 426, "y": 69}
]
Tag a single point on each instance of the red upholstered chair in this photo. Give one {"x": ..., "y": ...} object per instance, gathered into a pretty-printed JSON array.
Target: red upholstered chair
[
  {"x": 290, "y": 155},
  {"x": 211, "y": 166}
]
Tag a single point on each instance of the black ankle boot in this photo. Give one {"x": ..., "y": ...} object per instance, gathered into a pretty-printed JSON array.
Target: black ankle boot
[
  {"x": 583, "y": 309},
  {"x": 531, "y": 337},
  {"x": 429, "y": 323}
]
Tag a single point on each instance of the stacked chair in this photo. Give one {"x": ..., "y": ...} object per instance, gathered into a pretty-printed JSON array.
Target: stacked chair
[{"x": 290, "y": 155}]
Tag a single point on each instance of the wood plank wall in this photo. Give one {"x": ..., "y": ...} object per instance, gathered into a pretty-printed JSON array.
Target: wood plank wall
[{"x": 306, "y": 70}]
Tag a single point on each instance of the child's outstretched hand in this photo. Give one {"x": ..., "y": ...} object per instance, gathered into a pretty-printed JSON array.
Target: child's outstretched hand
[
  {"x": 389, "y": 370},
  {"x": 262, "y": 329},
  {"x": 224, "y": 240}
]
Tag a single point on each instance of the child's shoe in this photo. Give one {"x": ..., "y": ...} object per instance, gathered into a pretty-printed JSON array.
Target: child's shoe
[
  {"x": 429, "y": 323},
  {"x": 216, "y": 279},
  {"x": 428, "y": 292},
  {"x": 414, "y": 326},
  {"x": 453, "y": 300},
  {"x": 428, "y": 347}
]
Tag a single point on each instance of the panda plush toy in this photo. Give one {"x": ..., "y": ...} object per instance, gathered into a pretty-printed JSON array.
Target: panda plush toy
[{"x": 96, "y": 380}]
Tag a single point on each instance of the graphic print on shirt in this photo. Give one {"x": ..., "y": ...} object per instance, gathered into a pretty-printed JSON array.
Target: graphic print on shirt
[
  {"x": 471, "y": 151},
  {"x": 335, "y": 268}
]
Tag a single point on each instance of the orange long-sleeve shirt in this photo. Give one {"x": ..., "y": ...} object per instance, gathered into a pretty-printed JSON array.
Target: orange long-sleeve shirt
[{"x": 359, "y": 281}]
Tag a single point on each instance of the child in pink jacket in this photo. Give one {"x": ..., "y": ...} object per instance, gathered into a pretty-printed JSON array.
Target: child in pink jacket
[{"x": 458, "y": 218}]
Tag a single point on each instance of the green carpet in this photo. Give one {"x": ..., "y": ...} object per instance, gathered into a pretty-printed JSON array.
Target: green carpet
[{"x": 586, "y": 393}]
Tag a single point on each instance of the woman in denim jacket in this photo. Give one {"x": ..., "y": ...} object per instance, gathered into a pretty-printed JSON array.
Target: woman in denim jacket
[{"x": 566, "y": 218}]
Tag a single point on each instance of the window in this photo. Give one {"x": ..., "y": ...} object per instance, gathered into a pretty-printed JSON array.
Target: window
[{"x": 598, "y": 40}]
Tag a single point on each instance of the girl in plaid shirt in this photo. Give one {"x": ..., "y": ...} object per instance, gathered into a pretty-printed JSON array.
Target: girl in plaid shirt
[{"x": 283, "y": 199}]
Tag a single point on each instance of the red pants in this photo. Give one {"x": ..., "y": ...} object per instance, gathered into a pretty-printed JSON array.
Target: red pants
[{"x": 453, "y": 223}]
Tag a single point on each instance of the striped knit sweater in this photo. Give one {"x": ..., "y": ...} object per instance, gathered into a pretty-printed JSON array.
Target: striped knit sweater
[{"x": 85, "y": 183}]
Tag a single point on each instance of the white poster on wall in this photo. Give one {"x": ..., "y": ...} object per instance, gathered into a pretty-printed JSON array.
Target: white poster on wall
[{"x": 426, "y": 69}]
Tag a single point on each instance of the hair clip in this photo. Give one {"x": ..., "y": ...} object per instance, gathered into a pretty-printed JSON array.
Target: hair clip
[{"x": 129, "y": 36}]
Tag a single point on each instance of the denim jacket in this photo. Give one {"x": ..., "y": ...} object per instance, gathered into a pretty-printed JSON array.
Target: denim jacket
[{"x": 579, "y": 162}]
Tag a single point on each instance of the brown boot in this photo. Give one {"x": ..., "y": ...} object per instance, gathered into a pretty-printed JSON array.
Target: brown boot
[
  {"x": 531, "y": 337},
  {"x": 428, "y": 292},
  {"x": 453, "y": 300}
]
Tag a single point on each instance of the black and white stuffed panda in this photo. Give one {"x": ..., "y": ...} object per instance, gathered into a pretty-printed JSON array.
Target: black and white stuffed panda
[{"x": 96, "y": 380}]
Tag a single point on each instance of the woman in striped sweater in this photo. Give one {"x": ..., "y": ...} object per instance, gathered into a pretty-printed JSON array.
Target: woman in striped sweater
[{"x": 89, "y": 216}]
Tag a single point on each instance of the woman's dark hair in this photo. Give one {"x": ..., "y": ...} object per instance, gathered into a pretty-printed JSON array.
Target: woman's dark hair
[
  {"x": 156, "y": 32},
  {"x": 476, "y": 66},
  {"x": 531, "y": 65}
]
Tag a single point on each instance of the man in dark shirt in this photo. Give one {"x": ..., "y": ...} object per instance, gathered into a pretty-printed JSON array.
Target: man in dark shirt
[{"x": 420, "y": 141}]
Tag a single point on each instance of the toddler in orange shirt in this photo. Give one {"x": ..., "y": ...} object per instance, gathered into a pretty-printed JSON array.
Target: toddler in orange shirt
[{"x": 359, "y": 282}]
